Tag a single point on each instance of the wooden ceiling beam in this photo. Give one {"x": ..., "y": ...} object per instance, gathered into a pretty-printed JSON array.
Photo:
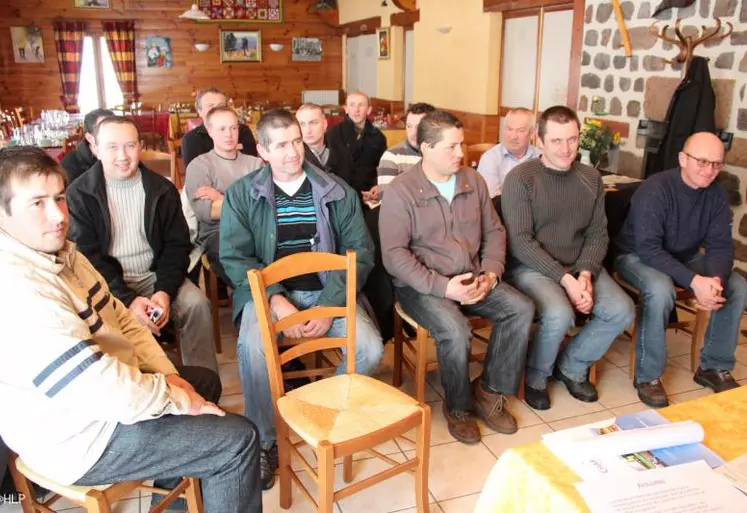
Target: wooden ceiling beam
[
  {"x": 357, "y": 28},
  {"x": 513, "y": 5},
  {"x": 405, "y": 19}
]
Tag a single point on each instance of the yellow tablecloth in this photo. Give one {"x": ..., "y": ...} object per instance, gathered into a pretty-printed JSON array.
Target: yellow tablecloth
[{"x": 530, "y": 478}]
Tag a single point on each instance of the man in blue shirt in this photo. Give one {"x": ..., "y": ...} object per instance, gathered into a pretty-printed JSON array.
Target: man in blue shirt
[
  {"x": 513, "y": 149},
  {"x": 673, "y": 215}
]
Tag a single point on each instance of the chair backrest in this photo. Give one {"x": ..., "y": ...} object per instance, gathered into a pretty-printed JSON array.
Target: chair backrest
[
  {"x": 160, "y": 162},
  {"x": 289, "y": 267},
  {"x": 473, "y": 152}
]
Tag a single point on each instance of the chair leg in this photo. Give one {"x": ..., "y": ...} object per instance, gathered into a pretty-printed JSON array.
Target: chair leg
[
  {"x": 701, "y": 324},
  {"x": 96, "y": 502},
  {"x": 194, "y": 496},
  {"x": 422, "y": 450},
  {"x": 398, "y": 342},
  {"x": 23, "y": 487},
  {"x": 420, "y": 369},
  {"x": 326, "y": 455},
  {"x": 284, "y": 466},
  {"x": 347, "y": 468},
  {"x": 523, "y": 381},
  {"x": 593, "y": 373},
  {"x": 211, "y": 284}
]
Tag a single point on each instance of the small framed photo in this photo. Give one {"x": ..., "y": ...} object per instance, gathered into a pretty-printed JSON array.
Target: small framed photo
[
  {"x": 383, "y": 37},
  {"x": 28, "y": 46},
  {"x": 240, "y": 46},
  {"x": 92, "y": 4}
]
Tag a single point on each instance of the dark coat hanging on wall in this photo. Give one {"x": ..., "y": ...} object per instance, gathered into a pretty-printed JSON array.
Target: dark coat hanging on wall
[{"x": 691, "y": 110}]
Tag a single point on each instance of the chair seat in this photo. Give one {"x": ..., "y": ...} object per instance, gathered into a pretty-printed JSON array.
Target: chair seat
[
  {"x": 72, "y": 492},
  {"x": 345, "y": 407}
]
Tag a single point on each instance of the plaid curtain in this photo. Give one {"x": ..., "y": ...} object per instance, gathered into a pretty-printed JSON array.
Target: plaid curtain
[
  {"x": 120, "y": 40},
  {"x": 68, "y": 36}
]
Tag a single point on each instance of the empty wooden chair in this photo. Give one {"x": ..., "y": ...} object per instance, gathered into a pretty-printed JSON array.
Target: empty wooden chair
[
  {"x": 163, "y": 163},
  {"x": 340, "y": 415}
]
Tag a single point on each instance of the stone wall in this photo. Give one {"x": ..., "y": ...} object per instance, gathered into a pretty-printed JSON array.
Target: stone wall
[{"x": 640, "y": 87}]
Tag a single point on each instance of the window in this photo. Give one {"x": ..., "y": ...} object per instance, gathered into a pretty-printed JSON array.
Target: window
[{"x": 98, "y": 86}]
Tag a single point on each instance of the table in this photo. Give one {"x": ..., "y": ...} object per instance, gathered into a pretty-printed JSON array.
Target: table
[
  {"x": 155, "y": 123},
  {"x": 531, "y": 478}
]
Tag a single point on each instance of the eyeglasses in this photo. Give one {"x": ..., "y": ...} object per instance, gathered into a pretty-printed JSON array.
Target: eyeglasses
[{"x": 706, "y": 163}]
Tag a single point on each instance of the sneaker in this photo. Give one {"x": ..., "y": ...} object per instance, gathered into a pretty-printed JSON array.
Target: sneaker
[
  {"x": 462, "y": 425},
  {"x": 716, "y": 380},
  {"x": 491, "y": 408},
  {"x": 268, "y": 464},
  {"x": 652, "y": 393},
  {"x": 537, "y": 398},
  {"x": 581, "y": 390}
]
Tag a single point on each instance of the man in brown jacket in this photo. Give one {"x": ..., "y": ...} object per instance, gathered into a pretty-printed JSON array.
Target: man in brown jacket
[{"x": 444, "y": 244}]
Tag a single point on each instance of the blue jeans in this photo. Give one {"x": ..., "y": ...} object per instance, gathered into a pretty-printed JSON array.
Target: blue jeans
[
  {"x": 511, "y": 314},
  {"x": 255, "y": 381},
  {"x": 223, "y": 452},
  {"x": 612, "y": 312},
  {"x": 655, "y": 306}
]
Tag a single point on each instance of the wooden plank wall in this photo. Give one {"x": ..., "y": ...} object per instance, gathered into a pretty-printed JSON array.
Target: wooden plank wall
[{"x": 276, "y": 78}]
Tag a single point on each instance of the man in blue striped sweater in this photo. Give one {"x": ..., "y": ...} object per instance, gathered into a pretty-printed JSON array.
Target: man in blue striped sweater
[{"x": 672, "y": 216}]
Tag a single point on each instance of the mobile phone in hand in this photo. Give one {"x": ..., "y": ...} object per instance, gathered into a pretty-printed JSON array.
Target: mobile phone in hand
[{"x": 155, "y": 314}]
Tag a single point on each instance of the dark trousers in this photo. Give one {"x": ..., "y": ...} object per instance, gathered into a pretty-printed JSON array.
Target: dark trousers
[
  {"x": 212, "y": 250},
  {"x": 223, "y": 452},
  {"x": 511, "y": 314}
]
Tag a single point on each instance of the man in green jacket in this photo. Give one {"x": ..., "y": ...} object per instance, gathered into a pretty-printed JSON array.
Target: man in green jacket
[{"x": 289, "y": 207}]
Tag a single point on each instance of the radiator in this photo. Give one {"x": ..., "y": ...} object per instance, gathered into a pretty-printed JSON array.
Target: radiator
[{"x": 321, "y": 97}]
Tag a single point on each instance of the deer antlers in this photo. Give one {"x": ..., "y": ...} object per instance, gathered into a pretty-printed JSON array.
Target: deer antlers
[{"x": 687, "y": 44}]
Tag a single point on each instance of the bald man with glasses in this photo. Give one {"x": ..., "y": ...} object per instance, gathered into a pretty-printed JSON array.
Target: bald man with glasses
[{"x": 679, "y": 232}]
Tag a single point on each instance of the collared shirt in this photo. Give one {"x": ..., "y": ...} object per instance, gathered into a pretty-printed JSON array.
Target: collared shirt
[
  {"x": 322, "y": 156},
  {"x": 497, "y": 162}
]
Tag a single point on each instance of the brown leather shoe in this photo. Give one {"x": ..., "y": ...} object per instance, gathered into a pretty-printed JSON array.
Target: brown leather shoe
[
  {"x": 653, "y": 394},
  {"x": 492, "y": 409},
  {"x": 462, "y": 426},
  {"x": 717, "y": 380}
]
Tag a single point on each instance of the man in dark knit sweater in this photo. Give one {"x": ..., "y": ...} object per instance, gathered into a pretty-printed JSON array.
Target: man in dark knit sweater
[
  {"x": 198, "y": 141},
  {"x": 553, "y": 208},
  {"x": 672, "y": 215}
]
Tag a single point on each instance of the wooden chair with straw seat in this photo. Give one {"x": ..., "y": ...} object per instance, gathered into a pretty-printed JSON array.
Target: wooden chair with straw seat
[
  {"x": 95, "y": 499},
  {"x": 340, "y": 415},
  {"x": 210, "y": 279},
  {"x": 696, "y": 328},
  {"x": 473, "y": 152},
  {"x": 416, "y": 362}
]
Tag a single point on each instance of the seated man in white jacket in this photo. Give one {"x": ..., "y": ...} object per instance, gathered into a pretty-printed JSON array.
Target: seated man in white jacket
[{"x": 94, "y": 399}]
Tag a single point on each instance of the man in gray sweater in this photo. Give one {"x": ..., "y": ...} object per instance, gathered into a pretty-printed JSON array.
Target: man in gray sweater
[
  {"x": 557, "y": 232},
  {"x": 210, "y": 174},
  {"x": 445, "y": 246}
]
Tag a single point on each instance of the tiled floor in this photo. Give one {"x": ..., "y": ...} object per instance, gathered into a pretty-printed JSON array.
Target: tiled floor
[{"x": 458, "y": 472}]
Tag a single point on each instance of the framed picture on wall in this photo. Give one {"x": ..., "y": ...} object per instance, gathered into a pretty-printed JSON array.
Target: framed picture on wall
[
  {"x": 383, "y": 37},
  {"x": 240, "y": 46},
  {"x": 92, "y": 4},
  {"x": 306, "y": 49},
  {"x": 28, "y": 46}
]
